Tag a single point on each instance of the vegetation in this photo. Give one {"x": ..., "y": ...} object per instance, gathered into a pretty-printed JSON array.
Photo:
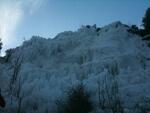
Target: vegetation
[
  {"x": 146, "y": 21},
  {"x": 109, "y": 96},
  {"x": 1, "y": 44},
  {"x": 78, "y": 101},
  {"x": 146, "y": 24}
]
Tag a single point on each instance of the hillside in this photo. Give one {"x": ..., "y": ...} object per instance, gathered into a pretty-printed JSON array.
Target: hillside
[{"x": 40, "y": 70}]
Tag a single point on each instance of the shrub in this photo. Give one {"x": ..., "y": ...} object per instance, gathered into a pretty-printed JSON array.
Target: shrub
[{"x": 77, "y": 101}]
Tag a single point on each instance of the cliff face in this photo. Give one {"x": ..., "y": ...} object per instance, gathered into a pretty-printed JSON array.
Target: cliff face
[{"x": 43, "y": 69}]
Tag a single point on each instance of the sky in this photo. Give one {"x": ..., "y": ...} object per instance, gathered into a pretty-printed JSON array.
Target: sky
[{"x": 21, "y": 19}]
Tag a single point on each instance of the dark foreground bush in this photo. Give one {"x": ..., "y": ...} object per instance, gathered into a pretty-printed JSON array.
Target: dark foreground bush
[{"x": 77, "y": 101}]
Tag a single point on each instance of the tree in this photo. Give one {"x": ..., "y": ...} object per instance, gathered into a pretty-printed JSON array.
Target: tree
[
  {"x": 1, "y": 44},
  {"x": 146, "y": 21}
]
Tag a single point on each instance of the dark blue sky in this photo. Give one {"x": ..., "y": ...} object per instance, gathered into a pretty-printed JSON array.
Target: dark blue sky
[{"x": 49, "y": 17}]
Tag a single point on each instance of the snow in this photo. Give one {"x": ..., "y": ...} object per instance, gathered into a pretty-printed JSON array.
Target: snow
[{"x": 51, "y": 66}]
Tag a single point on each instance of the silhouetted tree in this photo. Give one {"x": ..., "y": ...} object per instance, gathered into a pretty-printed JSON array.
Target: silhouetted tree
[
  {"x": 146, "y": 21},
  {"x": 1, "y": 44}
]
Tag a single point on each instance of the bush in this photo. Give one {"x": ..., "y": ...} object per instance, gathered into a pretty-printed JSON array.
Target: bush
[{"x": 77, "y": 101}]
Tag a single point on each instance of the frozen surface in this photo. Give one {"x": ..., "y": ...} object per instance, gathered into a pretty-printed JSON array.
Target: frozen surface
[{"x": 50, "y": 66}]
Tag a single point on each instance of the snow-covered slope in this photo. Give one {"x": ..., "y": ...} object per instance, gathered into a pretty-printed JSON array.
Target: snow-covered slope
[{"x": 46, "y": 68}]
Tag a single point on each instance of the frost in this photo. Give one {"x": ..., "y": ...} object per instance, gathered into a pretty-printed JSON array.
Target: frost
[{"x": 50, "y": 66}]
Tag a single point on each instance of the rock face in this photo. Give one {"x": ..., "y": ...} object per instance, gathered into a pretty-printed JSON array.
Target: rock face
[{"x": 39, "y": 72}]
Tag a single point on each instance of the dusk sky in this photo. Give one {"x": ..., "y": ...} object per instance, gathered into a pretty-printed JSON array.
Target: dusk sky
[{"x": 20, "y": 19}]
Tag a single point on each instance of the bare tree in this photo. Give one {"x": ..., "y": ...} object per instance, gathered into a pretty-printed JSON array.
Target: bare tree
[{"x": 109, "y": 97}]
